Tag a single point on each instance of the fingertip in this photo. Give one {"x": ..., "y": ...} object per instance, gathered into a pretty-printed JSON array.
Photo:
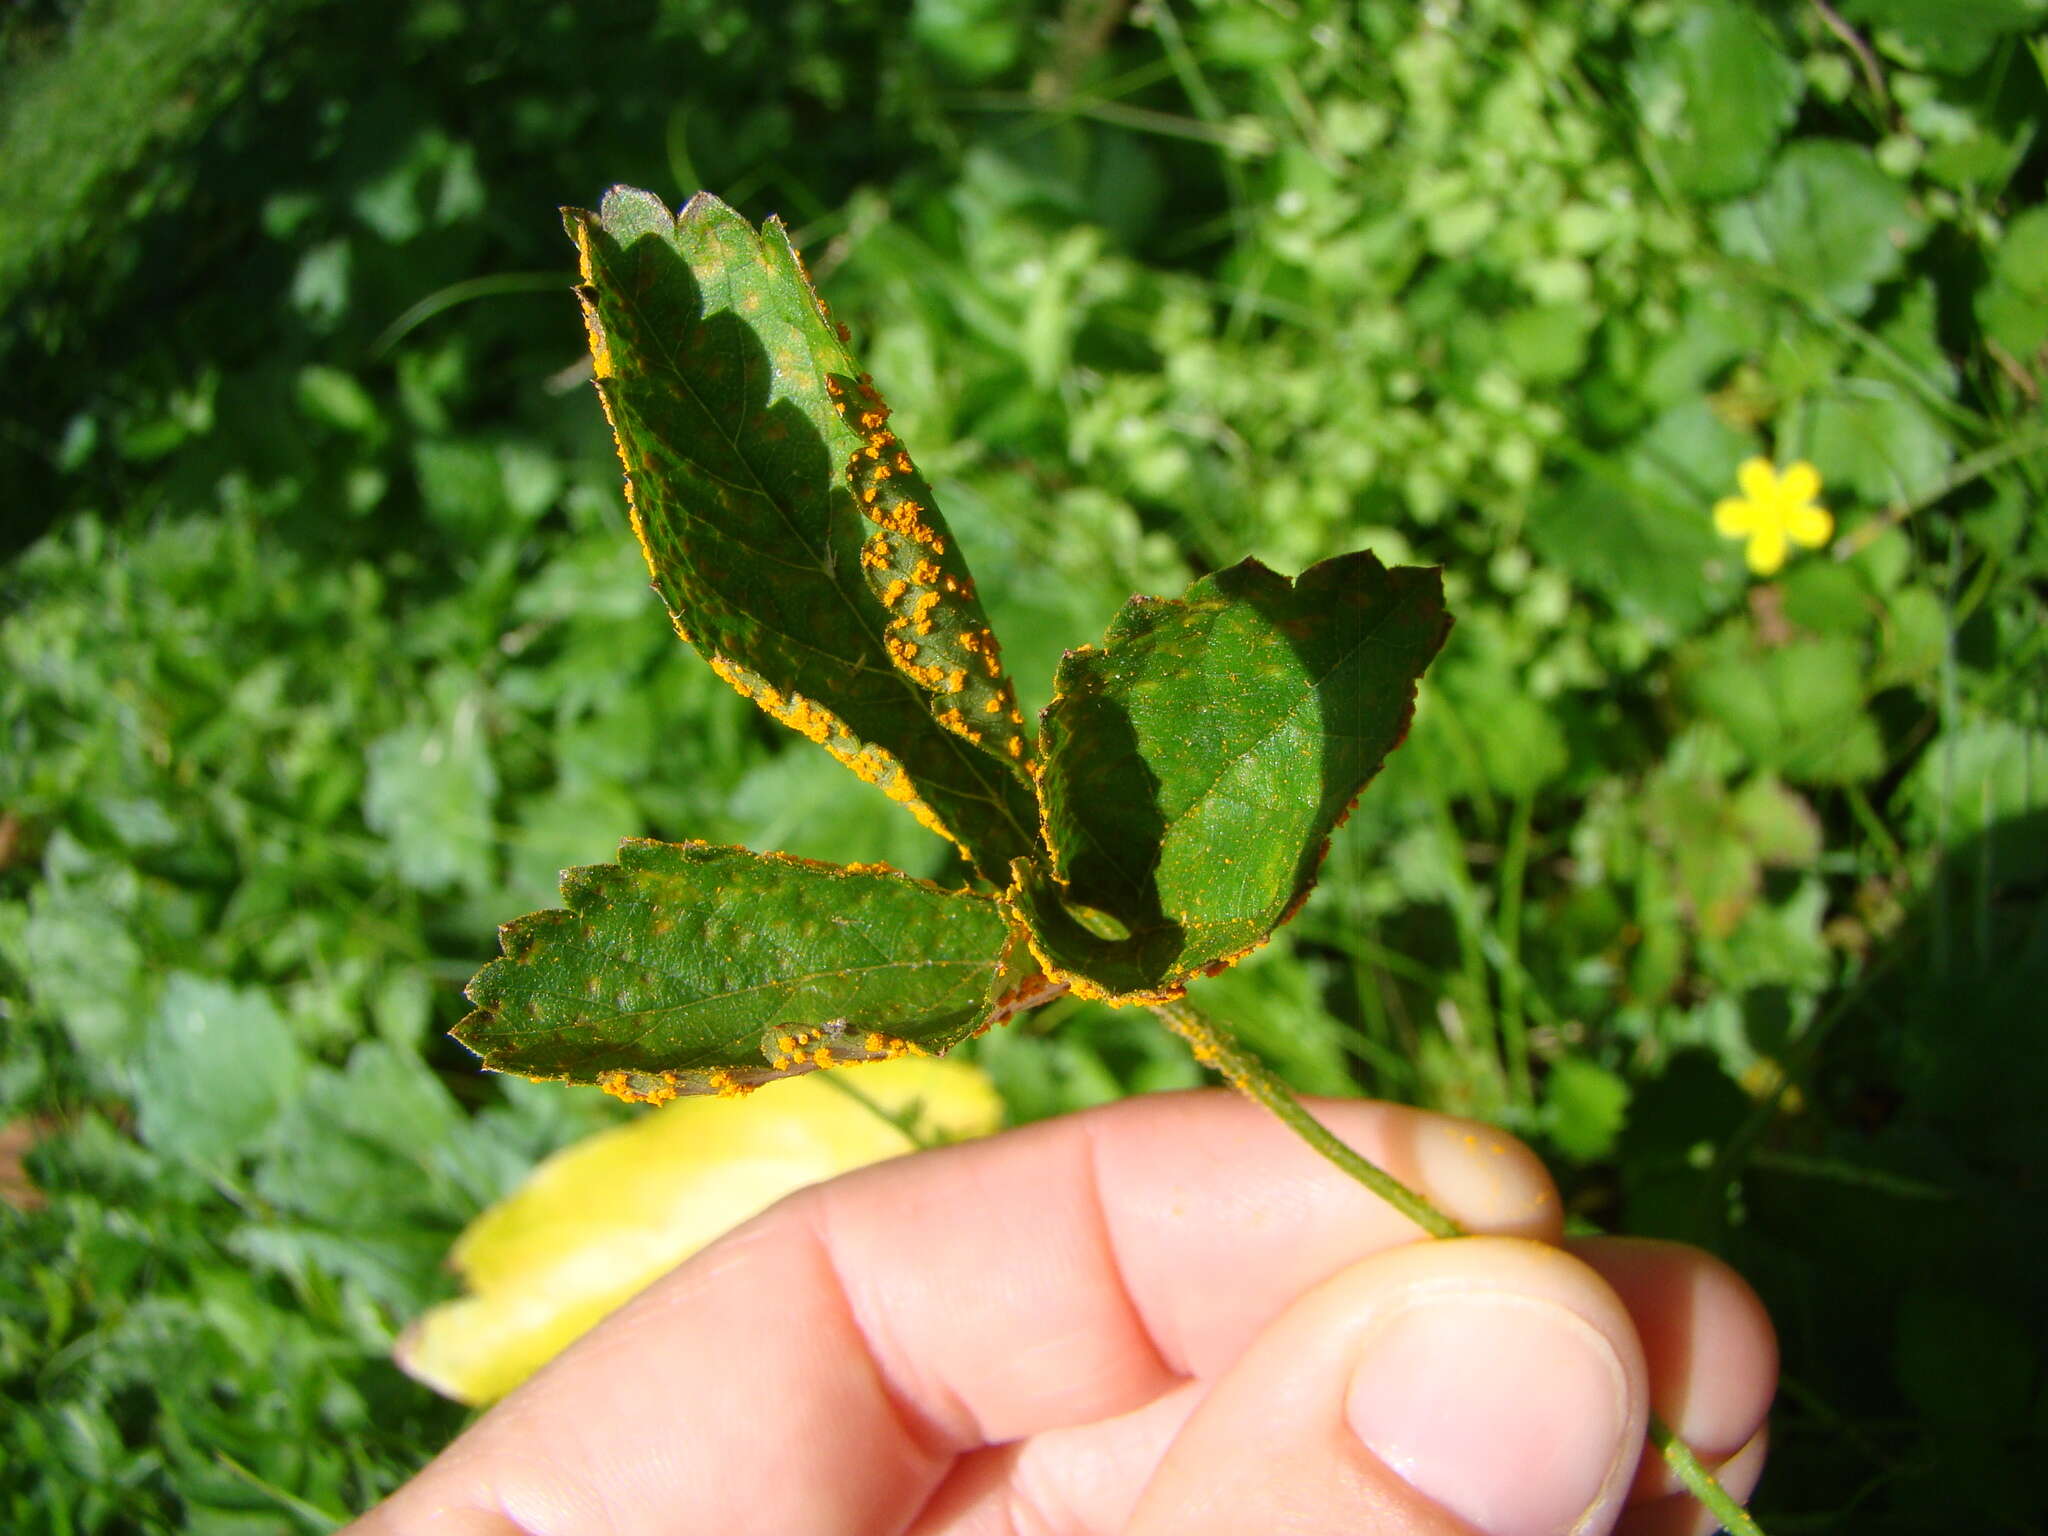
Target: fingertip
[
  {"x": 1485, "y": 1384},
  {"x": 1709, "y": 1344},
  {"x": 1482, "y": 1178}
]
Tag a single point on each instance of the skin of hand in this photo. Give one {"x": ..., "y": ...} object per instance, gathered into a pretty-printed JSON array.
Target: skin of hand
[{"x": 1164, "y": 1315}]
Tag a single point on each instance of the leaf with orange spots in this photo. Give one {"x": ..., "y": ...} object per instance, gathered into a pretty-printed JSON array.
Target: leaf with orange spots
[
  {"x": 1198, "y": 760},
  {"x": 790, "y": 534},
  {"x": 688, "y": 968}
]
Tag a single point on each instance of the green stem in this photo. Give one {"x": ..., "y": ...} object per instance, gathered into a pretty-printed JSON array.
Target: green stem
[
  {"x": 1514, "y": 1029},
  {"x": 489, "y": 286},
  {"x": 1214, "y": 1047}
]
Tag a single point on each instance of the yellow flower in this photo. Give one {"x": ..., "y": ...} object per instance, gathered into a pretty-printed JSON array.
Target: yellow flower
[{"x": 1772, "y": 509}]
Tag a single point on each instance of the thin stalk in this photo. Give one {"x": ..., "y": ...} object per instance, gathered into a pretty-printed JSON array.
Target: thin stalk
[
  {"x": 490, "y": 286},
  {"x": 1215, "y": 1048},
  {"x": 1964, "y": 472},
  {"x": 906, "y": 1121},
  {"x": 1514, "y": 1029}
]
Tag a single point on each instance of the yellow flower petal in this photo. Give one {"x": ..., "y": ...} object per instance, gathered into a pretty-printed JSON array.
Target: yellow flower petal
[
  {"x": 1800, "y": 483},
  {"x": 1809, "y": 526},
  {"x": 1766, "y": 552},
  {"x": 597, "y": 1221},
  {"x": 1734, "y": 518},
  {"x": 1759, "y": 481}
]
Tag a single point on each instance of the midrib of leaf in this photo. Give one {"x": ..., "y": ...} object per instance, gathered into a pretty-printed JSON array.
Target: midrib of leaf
[{"x": 678, "y": 1011}]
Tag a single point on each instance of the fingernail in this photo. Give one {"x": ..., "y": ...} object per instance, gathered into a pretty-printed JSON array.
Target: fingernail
[{"x": 1505, "y": 1409}]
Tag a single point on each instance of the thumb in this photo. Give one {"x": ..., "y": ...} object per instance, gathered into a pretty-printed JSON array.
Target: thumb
[{"x": 1481, "y": 1384}]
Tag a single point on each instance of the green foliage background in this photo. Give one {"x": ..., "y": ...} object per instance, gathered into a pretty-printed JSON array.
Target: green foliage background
[{"x": 323, "y": 644}]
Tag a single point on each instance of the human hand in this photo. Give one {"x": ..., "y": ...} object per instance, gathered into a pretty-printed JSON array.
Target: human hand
[{"x": 1165, "y": 1315}]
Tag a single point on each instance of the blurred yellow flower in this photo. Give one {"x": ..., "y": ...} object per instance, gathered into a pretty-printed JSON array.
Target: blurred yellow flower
[
  {"x": 599, "y": 1220},
  {"x": 1772, "y": 510}
]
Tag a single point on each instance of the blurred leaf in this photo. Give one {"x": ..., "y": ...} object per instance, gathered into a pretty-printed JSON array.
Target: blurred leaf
[
  {"x": 976, "y": 38},
  {"x": 1952, "y": 35},
  {"x": 218, "y": 1065},
  {"x": 794, "y": 542},
  {"x": 1777, "y": 945},
  {"x": 1778, "y": 823},
  {"x": 1657, "y": 563},
  {"x": 1481, "y": 728},
  {"x": 86, "y": 968},
  {"x": 1197, "y": 762},
  {"x": 337, "y": 400},
  {"x": 1584, "y": 1108},
  {"x": 1797, "y": 709},
  {"x": 2013, "y": 306},
  {"x": 1826, "y": 597},
  {"x": 1828, "y": 222},
  {"x": 1715, "y": 93},
  {"x": 429, "y": 792},
  {"x": 1688, "y": 455},
  {"x": 686, "y": 968},
  {"x": 600, "y": 1220},
  {"x": 1870, "y": 436},
  {"x": 1985, "y": 780}
]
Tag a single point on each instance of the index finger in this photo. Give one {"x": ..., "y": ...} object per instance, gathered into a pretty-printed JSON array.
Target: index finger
[{"x": 820, "y": 1368}]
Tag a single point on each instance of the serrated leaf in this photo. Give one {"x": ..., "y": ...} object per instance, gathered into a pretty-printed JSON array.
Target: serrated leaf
[
  {"x": 1196, "y": 764},
  {"x": 791, "y": 536},
  {"x": 687, "y": 968}
]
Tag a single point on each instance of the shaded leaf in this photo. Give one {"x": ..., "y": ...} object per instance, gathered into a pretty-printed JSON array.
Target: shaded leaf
[
  {"x": 793, "y": 540},
  {"x": 1197, "y": 762},
  {"x": 599, "y": 1220},
  {"x": 687, "y": 968}
]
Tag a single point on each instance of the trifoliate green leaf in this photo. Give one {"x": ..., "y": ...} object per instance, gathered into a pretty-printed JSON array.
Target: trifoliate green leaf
[
  {"x": 687, "y": 968},
  {"x": 794, "y": 541},
  {"x": 1197, "y": 762}
]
